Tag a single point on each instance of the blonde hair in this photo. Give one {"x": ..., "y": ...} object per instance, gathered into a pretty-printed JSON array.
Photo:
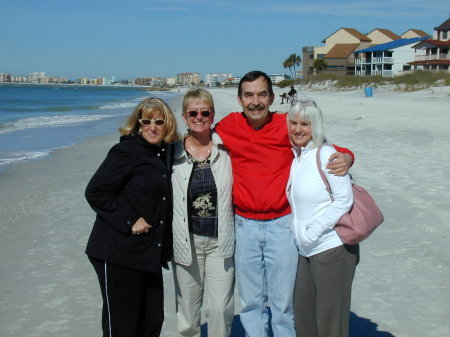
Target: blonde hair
[
  {"x": 146, "y": 108},
  {"x": 198, "y": 94}
]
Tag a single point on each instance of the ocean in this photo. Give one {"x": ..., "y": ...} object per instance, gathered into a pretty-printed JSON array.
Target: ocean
[{"x": 36, "y": 119}]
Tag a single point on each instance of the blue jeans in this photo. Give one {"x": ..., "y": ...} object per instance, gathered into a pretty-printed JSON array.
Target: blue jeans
[{"x": 266, "y": 260}]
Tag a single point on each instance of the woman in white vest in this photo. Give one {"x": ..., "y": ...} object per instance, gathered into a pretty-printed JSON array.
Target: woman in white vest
[
  {"x": 326, "y": 266},
  {"x": 203, "y": 222}
]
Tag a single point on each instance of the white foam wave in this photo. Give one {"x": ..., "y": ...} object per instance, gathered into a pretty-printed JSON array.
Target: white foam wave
[
  {"x": 22, "y": 156},
  {"x": 132, "y": 103},
  {"x": 123, "y": 105},
  {"x": 47, "y": 121}
]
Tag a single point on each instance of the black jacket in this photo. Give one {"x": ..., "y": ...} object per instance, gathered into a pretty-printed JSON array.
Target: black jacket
[{"x": 133, "y": 181}]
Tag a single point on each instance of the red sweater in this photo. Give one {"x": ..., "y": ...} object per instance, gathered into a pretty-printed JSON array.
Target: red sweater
[{"x": 261, "y": 161}]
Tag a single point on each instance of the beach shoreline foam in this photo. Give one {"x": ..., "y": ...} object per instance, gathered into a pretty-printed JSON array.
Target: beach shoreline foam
[{"x": 48, "y": 288}]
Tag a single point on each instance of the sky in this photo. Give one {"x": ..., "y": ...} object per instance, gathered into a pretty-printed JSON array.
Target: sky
[{"x": 143, "y": 38}]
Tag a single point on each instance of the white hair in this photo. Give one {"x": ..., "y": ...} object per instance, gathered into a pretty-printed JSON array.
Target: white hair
[{"x": 309, "y": 112}]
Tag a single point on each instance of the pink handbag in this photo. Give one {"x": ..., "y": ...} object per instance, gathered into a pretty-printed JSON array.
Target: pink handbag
[{"x": 362, "y": 219}]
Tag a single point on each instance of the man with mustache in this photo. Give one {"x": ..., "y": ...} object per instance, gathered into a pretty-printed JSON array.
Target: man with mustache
[{"x": 265, "y": 255}]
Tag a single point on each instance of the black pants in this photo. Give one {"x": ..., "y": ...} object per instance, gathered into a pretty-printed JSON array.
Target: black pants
[{"x": 133, "y": 300}]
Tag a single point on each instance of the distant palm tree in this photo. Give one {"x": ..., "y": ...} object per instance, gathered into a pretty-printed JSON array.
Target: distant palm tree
[
  {"x": 291, "y": 62},
  {"x": 320, "y": 65},
  {"x": 296, "y": 60},
  {"x": 288, "y": 64}
]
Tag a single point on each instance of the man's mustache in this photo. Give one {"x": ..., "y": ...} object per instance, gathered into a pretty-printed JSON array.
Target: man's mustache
[{"x": 258, "y": 107}]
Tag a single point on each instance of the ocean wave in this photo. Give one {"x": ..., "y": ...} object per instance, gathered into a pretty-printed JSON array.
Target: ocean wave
[
  {"x": 121, "y": 105},
  {"x": 50, "y": 109},
  {"x": 48, "y": 121},
  {"x": 130, "y": 103},
  {"x": 22, "y": 156}
]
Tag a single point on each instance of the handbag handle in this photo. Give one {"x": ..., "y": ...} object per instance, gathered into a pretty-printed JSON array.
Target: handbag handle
[{"x": 322, "y": 175}]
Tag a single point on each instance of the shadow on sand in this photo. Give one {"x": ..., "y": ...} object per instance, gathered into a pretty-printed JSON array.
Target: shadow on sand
[
  {"x": 359, "y": 327},
  {"x": 364, "y": 327}
]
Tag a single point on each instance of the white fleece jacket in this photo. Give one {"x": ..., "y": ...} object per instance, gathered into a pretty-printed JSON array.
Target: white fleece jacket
[{"x": 314, "y": 213}]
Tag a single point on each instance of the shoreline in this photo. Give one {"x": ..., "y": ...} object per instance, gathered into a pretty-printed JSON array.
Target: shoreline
[
  {"x": 48, "y": 287},
  {"x": 47, "y": 153}
]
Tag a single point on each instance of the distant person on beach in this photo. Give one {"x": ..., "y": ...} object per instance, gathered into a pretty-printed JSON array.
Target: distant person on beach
[
  {"x": 266, "y": 255},
  {"x": 326, "y": 266},
  {"x": 292, "y": 94},
  {"x": 131, "y": 239},
  {"x": 284, "y": 97},
  {"x": 203, "y": 223}
]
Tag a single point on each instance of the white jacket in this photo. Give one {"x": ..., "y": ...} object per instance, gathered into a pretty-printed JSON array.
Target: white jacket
[
  {"x": 221, "y": 170},
  {"x": 314, "y": 214}
]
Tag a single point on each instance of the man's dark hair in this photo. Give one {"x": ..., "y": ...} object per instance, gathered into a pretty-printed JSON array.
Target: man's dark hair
[{"x": 252, "y": 76}]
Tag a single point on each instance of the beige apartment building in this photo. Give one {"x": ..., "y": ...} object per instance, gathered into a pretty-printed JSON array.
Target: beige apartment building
[
  {"x": 188, "y": 79},
  {"x": 339, "y": 48}
]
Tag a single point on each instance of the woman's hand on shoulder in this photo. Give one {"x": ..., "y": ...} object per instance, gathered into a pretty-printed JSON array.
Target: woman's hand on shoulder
[{"x": 140, "y": 227}]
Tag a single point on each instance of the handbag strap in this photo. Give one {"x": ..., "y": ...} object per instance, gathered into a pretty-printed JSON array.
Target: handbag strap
[{"x": 322, "y": 175}]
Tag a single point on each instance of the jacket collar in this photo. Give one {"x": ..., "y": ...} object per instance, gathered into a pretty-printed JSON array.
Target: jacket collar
[
  {"x": 303, "y": 150},
  {"x": 180, "y": 152},
  {"x": 138, "y": 139}
]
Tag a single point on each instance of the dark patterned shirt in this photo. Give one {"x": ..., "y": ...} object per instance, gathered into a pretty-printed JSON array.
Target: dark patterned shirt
[{"x": 202, "y": 200}]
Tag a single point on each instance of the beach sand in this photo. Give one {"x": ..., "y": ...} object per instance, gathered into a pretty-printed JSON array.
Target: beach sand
[{"x": 401, "y": 287}]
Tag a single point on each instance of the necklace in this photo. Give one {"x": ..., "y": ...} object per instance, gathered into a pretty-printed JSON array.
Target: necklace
[{"x": 200, "y": 152}]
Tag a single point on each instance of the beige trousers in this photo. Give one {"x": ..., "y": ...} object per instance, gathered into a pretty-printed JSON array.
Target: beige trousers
[{"x": 209, "y": 281}]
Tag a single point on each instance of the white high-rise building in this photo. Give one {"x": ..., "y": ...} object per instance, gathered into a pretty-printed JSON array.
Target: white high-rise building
[
  {"x": 211, "y": 80},
  {"x": 34, "y": 77}
]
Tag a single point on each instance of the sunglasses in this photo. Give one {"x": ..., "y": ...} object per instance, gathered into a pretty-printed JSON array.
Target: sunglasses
[
  {"x": 194, "y": 114},
  {"x": 306, "y": 102},
  {"x": 148, "y": 122}
]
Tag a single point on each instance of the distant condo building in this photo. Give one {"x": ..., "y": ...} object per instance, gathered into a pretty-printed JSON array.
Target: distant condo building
[
  {"x": 37, "y": 77},
  {"x": 5, "y": 77},
  {"x": 171, "y": 81},
  {"x": 188, "y": 79},
  {"x": 19, "y": 79},
  {"x": 150, "y": 81},
  {"x": 276, "y": 78},
  {"x": 211, "y": 80}
]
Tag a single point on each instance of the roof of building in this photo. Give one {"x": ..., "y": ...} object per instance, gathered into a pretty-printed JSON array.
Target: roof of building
[
  {"x": 430, "y": 62},
  {"x": 341, "y": 50},
  {"x": 437, "y": 43},
  {"x": 353, "y": 32},
  {"x": 419, "y": 32},
  {"x": 444, "y": 26},
  {"x": 392, "y": 45},
  {"x": 387, "y": 32}
]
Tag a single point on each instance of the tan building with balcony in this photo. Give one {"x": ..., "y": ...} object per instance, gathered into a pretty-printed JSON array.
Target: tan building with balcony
[{"x": 337, "y": 52}]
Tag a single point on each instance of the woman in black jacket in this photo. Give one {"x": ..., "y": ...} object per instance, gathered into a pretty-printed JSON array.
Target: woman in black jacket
[{"x": 132, "y": 238}]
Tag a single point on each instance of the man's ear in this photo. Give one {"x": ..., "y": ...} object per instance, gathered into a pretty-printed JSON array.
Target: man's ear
[
  {"x": 272, "y": 98},
  {"x": 239, "y": 100}
]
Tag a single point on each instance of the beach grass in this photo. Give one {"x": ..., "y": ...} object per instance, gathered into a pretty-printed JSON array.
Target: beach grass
[{"x": 416, "y": 80}]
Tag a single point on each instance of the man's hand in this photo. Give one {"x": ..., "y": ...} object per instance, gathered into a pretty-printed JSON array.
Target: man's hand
[
  {"x": 339, "y": 163},
  {"x": 140, "y": 227}
]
